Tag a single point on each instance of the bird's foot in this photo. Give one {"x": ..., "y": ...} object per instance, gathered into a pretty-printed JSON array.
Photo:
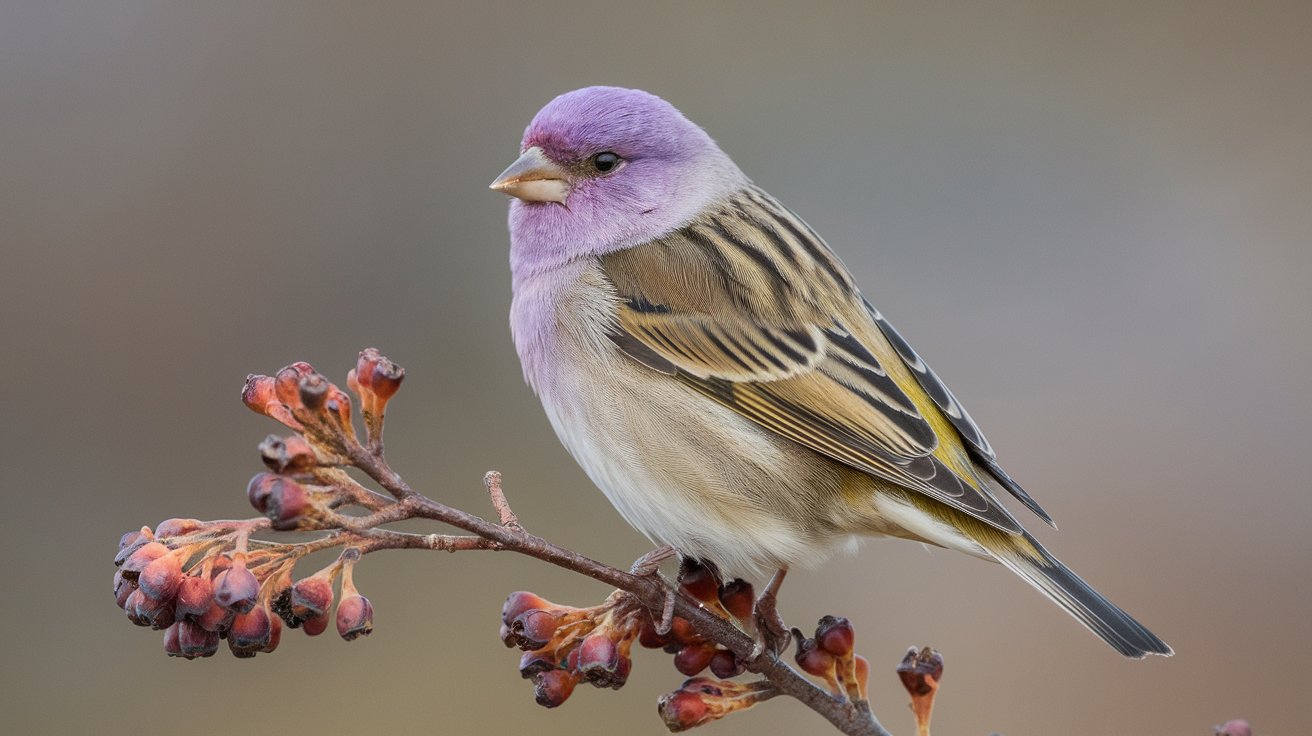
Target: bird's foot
[
  {"x": 649, "y": 566},
  {"x": 771, "y": 633}
]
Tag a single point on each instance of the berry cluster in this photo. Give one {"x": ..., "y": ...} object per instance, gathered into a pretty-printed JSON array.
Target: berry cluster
[{"x": 203, "y": 582}]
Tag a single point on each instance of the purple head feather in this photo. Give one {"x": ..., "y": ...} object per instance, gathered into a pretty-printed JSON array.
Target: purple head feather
[{"x": 670, "y": 171}]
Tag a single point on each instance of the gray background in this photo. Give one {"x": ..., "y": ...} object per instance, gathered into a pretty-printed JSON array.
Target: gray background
[{"x": 1092, "y": 218}]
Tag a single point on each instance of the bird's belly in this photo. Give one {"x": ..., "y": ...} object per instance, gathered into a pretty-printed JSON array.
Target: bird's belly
[{"x": 680, "y": 468}]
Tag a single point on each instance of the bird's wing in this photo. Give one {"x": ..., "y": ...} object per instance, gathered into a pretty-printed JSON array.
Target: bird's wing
[{"x": 749, "y": 307}]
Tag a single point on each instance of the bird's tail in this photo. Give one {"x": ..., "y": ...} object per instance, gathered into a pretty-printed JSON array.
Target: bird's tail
[{"x": 1060, "y": 584}]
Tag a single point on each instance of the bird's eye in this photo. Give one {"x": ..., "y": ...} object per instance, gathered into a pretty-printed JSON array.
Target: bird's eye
[{"x": 605, "y": 161}]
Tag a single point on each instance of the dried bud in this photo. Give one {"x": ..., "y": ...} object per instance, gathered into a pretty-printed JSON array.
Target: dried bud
[
  {"x": 737, "y": 598},
  {"x": 257, "y": 490},
  {"x": 258, "y": 392},
  {"x": 835, "y": 635},
  {"x": 534, "y": 628},
  {"x": 312, "y": 596},
  {"x": 216, "y": 618},
  {"x": 236, "y": 588},
  {"x": 693, "y": 658},
  {"x": 287, "y": 383},
  {"x": 682, "y": 710},
  {"x": 291, "y": 454},
  {"x": 725, "y": 665},
  {"x": 374, "y": 373},
  {"x": 195, "y": 596},
  {"x": 314, "y": 391},
  {"x": 160, "y": 579},
  {"x": 152, "y": 612},
  {"x": 599, "y": 661},
  {"x": 812, "y": 659},
  {"x": 134, "y": 539},
  {"x": 701, "y": 700},
  {"x": 553, "y": 687},
  {"x": 287, "y": 504},
  {"x": 275, "y": 634},
  {"x": 196, "y": 641},
  {"x": 250, "y": 632},
  {"x": 178, "y": 527},
  {"x": 139, "y": 559},
  {"x": 535, "y": 663},
  {"x": 122, "y": 588},
  {"x": 519, "y": 602},
  {"x": 920, "y": 671},
  {"x": 338, "y": 406},
  {"x": 132, "y": 607},
  {"x": 355, "y": 617},
  {"x": 172, "y": 647}
]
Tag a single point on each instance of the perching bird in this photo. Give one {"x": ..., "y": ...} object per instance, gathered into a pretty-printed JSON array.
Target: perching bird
[{"x": 712, "y": 366}]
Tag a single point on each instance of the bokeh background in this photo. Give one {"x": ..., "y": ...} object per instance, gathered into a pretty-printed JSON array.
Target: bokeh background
[{"x": 1092, "y": 218}]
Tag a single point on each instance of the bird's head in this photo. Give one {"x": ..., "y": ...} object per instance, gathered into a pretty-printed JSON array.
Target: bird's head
[{"x": 605, "y": 168}]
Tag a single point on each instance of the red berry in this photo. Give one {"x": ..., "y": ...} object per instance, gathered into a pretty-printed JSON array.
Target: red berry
[
  {"x": 737, "y": 598},
  {"x": 355, "y": 617},
  {"x": 171, "y": 645},
  {"x": 216, "y": 618},
  {"x": 316, "y": 625},
  {"x": 699, "y": 581},
  {"x": 195, "y": 596},
  {"x": 196, "y": 641},
  {"x": 725, "y": 664},
  {"x": 812, "y": 659},
  {"x": 693, "y": 658},
  {"x": 250, "y": 632},
  {"x": 648, "y": 637}
]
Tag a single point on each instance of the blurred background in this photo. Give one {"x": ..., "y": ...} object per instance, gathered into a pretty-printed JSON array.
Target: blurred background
[{"x": 1092, "y": 218}]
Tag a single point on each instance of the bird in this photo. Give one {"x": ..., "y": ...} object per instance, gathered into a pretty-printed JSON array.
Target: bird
[{"x": 712, "y": 366}]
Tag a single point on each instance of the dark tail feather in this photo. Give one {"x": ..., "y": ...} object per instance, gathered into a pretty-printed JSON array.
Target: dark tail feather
[{"x": 1066, "y": 589}]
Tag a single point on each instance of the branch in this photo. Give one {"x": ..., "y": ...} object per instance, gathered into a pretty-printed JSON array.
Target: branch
[{"x": 206, "y": 581}]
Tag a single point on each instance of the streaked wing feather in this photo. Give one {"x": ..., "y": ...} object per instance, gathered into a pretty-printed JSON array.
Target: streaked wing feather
[
  {"x": 747, "y": 306},
  {"x": 956, "y": 413}
]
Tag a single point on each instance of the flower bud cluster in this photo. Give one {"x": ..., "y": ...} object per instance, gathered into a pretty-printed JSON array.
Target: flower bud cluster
[
  {"x": 190, "y": 579},
  {"x": 565, "y": 646},
  {"x": 830, "y": 656}
]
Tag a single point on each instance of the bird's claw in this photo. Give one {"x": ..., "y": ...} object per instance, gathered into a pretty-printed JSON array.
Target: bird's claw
[
  {"x": 649, "y": 566},
  {"x": 772, "y": 634}
]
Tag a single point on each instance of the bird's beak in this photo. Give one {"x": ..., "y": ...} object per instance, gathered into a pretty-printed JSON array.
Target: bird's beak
[{"x": 534, "y": 178}]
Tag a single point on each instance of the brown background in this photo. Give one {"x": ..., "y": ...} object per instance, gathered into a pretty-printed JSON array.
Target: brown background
[{"x": 1093, "y": 220}]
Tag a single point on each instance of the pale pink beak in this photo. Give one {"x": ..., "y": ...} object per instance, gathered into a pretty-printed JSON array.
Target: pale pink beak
[{"x": 534, "y": 178}]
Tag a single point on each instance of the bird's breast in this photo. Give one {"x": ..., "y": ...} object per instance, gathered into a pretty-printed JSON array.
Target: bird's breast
[{"x": 681, "y": 469}]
